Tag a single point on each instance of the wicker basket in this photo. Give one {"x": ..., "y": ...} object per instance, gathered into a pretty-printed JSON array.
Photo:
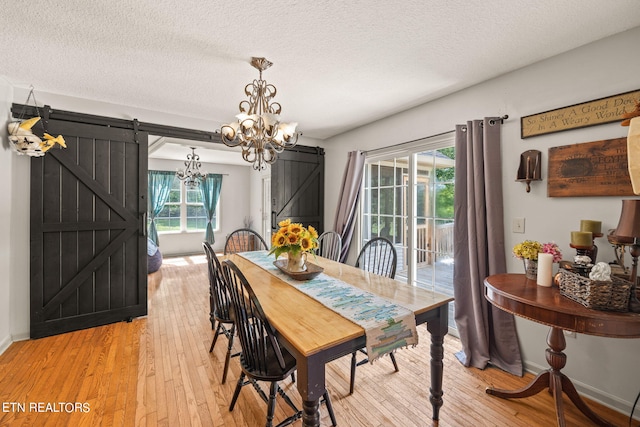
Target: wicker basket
[{"x": 598, "y": 295}]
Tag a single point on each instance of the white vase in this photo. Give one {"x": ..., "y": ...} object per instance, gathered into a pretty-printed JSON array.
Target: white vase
[{"x": 297, "y": 262}]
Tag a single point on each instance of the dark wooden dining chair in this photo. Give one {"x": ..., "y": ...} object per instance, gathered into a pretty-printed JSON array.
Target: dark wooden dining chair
[
  {"x": 219, "y": 302},
  {"x": 262, "y": 358},
  {"x": 377, "y": 256},
  {"x": 244, "y": 240},
  {"x": 330, "y": 245}
]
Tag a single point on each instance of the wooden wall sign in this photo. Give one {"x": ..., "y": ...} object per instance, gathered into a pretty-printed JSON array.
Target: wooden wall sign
[
  {"x": 597, "y": 112},
  {"x": 592, "y": 169}
]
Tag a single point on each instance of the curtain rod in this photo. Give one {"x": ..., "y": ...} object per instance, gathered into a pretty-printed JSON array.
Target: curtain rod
[
  {"x": 502, "y": 118},
  {"x": 408, "y": 143},
  {"x": 401, "y": 144}
]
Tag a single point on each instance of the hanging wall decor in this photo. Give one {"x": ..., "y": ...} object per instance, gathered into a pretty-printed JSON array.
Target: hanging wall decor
[
  {"x": 23, "y": 139},
  {"x": 591, "y": 169},
  {"x": 597, "y": 112},
  {"x": 530, "y": 167}
]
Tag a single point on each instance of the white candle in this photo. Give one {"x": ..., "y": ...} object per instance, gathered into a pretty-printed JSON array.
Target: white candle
[{"x": 545, "y": 266}]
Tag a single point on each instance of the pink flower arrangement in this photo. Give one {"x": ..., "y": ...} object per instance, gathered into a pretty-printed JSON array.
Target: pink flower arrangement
[
  {"x": 553, "y": 249},
  {"x": 529, "y": 249}
]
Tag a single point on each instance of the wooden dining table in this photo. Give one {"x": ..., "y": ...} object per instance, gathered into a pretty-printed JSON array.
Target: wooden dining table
[{"x": 316, "y": 335}]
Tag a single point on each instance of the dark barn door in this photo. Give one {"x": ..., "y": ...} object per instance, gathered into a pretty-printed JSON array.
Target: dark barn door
[
  {"x": 88, "y": 243},
  {"x": 297, "y": 187}
]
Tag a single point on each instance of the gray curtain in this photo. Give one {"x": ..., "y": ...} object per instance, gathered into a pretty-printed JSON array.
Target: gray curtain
[
  {"x": 487, "y": 334},
  {"x": 210, "y": 189},
  {"x": 349, "y": 194}
]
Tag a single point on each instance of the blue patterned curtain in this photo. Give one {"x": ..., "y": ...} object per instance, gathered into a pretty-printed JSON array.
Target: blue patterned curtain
[
  {"x": 158, "y": 193},
  {"x": 210, "y": 188}
]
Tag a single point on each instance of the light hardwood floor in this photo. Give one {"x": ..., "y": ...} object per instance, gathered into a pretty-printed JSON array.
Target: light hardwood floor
[{"x": 157, "y": 371}]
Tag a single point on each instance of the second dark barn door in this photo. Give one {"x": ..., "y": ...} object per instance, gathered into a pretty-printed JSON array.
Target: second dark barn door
[
  {"x": 88, "y": 243},
  {"x": 297, "y": 187}
]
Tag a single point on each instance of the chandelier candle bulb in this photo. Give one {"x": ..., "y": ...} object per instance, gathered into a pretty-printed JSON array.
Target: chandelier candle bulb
[
  {"x": 594, "y": 227},
  {"x": 582, "y": 239},
  {"x": 545, "y": 269}
]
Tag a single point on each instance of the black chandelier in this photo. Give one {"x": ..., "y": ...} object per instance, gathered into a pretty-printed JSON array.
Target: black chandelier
[
  {"x": 258, "y": 129},
  {"x": 191, "y": 175}
]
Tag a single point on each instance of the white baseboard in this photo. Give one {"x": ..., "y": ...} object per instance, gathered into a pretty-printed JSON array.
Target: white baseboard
[
  {"x": 21, "y": 337},
  {"x": 8, "y": 340},
  {"x": 5, "y": 343},
  {"x": 592, "y": 393}
]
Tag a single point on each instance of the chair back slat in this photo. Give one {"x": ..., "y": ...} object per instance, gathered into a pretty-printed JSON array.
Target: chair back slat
[
  {"x": 257, "y": 336},
  {"x": 330, "y": 245},
  {"x": 244, "y": 240},
  {"x": 378, "y": 256}
]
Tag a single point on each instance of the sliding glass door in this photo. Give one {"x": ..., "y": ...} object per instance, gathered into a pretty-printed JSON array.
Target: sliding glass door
[{"x": 408, "y": 199}]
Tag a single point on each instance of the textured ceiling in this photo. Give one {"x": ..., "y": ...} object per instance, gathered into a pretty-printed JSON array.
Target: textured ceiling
[{"x": 337, "y": 64}]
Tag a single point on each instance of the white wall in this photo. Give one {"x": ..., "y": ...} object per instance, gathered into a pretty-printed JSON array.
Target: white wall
[
  {"x": 235, "y": 201},
  {"x": 604, "y": 368},
  {"x": 5, "y": 220},
  {"x": 14, "y": 217},
  {"x": 255, "y": 202}
]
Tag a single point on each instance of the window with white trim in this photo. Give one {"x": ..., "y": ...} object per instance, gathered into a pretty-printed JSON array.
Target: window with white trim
[{"x": 184, "y": 211}]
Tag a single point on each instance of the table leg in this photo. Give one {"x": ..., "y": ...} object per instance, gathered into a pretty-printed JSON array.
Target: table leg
[
  {"x": 311, "y": 385},
  {"x": 555, "y": 381},
  {"x": 438, "y": 329},
  {"x": 568, "y": 387},
  {"x": 538, "y": 384},
  {"x": 311, "y": 413}
]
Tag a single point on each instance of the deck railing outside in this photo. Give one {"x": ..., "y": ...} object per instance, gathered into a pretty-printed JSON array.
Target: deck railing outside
[{"x": 443, "y": 241}]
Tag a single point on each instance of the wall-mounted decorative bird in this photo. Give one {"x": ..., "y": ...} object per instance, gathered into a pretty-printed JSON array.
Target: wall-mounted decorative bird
[
  {"x": 50, "y": 141},
  {"x": 24, "y": 141}
]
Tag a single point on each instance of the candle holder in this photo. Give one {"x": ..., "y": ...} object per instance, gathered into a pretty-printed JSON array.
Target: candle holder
[
  {"x": 529, "y": 169},
  {"x": 582, "y": 250},
  {"x": 582, "y": 269}
]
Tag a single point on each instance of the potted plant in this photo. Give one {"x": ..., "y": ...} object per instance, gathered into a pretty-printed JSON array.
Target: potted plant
[
  {"x": 528, "y": 252},
  {"x": 296, "y": 241}
]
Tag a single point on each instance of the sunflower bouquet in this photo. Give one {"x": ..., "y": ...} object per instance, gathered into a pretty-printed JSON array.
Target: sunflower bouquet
[{"x": 293, "y": 238}]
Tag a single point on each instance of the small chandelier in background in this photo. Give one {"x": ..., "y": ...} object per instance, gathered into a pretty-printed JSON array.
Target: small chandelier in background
[
  {"x": 258, "y": 130},
  {"x": 191, "y": 176}
]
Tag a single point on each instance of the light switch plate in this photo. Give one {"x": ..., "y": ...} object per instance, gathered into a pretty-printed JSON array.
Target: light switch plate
[{"x": 517, "y": 226}]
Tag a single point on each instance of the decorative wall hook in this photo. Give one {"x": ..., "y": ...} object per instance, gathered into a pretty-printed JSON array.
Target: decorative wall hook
[{"x": 530, "y": 168}]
